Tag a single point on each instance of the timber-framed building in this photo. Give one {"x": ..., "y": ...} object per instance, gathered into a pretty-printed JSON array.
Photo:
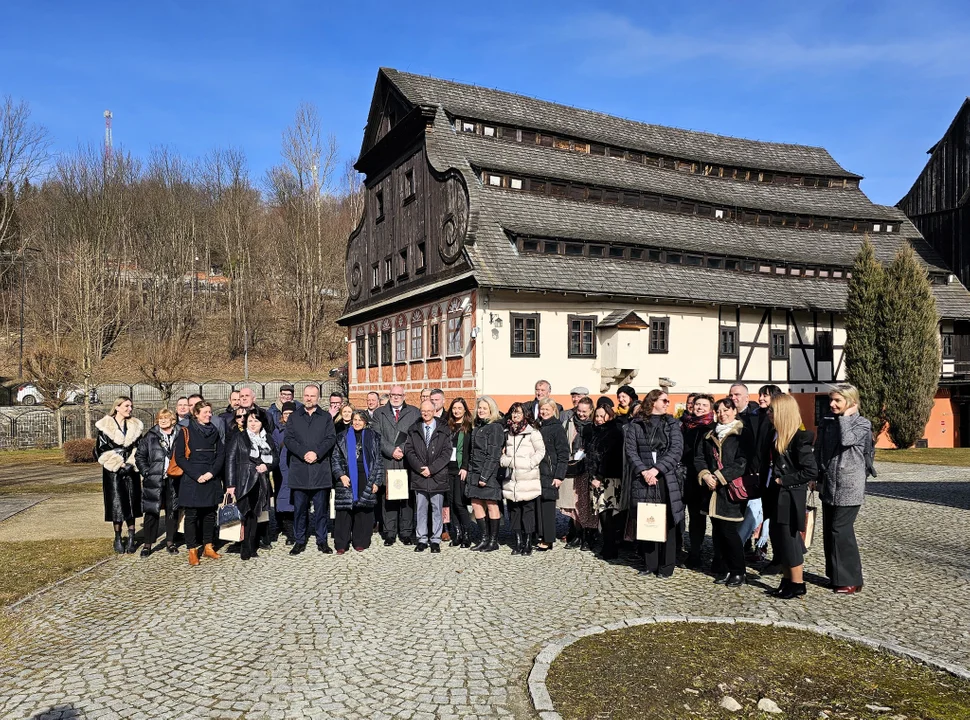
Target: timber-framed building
[{"x": 507, "y": 239}]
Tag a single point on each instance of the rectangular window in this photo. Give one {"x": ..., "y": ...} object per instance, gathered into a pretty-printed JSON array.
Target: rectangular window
[
  {"x": 419, "y": 259},
  {"x": 361, "y": 352},
  {"x": 402, "y": 263},
  {"x": 659, "y": 334},
  {"x": 401, "y": 345},
  {"x": 408, "y": 184},
  {"x": 515, "y": 184},
  {"x": 495, "y": 180},
  {"x": 386, "y": 347},
  {"x": 947, "y": 343},
  {"x": 581, "y": 336},
  {"x": 417, "y": 342},
  {"x": 434, "y": 343},
  {"x": 388, "y": 271},
  {"x": 456, "y": 340},
  {"x": 729, "y": 342},
  {"x": 380, "y": 204},
  {"x": 372, "y": 350},
  {"x": 489, "y": 131},
  {"x": 375, "y": 275},
  {"x": 823, "y": 346},
  {"x": 468, "y": 127},
  {"x": 779, "y": 345},
  {"x": 525, "y": 335}
]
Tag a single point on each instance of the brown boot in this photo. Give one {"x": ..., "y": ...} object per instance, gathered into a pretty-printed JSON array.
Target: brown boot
[
  {"x": 210, "y": 552},
  {"x": 193, "y": 556}
]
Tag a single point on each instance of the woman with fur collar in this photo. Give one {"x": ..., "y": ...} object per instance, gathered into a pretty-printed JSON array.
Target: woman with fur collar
[
  {"x": 118, "y": 435},
  {"x": 720, "y": 458}
]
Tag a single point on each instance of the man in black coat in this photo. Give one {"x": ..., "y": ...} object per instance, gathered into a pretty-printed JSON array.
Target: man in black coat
[
  {"x": 309, "y": 441},
  {"x": 392, "y": 422},
  {"x": 428, "y": 452}
]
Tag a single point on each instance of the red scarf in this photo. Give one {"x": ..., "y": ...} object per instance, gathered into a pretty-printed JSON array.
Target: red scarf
[{"x": 691, "y": 421}]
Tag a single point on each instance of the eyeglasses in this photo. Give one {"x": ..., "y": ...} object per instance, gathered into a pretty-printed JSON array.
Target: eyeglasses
[
  {"x": 397, "y": 394},
  {"x": 240, "y": 416},
  {"x": 665, "y": 401}
]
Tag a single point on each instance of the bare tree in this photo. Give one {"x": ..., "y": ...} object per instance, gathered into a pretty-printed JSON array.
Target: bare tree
[{"x": 55, "y": 376}]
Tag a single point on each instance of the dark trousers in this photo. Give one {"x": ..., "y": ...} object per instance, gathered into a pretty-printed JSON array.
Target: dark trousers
[
  {"x": 843, "y": 566},
  {"x": 728, "y": 545},
  {"x": 151, "y": 527},
  {"x": 696, "y": 529},
  {"x": 522, "y": 516},
  {"x": 398, "y": 518},
  {"x": 546, "y": 514},
  {"x": 661, "y": 557},
  {"x": 459, "y": 503},
  {"x": 250, "y": 531},
  {"x": 200, "y": 523},
  {"x": 301, "y": 511},
  {"x": 353, "y": 527}
]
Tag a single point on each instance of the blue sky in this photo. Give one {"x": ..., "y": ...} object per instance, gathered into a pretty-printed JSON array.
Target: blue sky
[{"x": 876, "y": 83}]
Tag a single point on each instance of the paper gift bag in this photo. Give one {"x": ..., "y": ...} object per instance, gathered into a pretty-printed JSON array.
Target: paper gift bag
[
  {"x": 811, "y": 513},
  {"x": 652, "y": 522},
  {"x": 333, "y": 505},
  {"x": 397, "y": 484}
]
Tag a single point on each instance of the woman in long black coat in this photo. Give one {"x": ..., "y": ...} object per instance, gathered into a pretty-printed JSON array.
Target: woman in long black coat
[
  {"x": 654, "y": 446},
  {"x": 460, "y": 424},
  {"x": 604, "y": 463},
  {"x": 695, "y": 425},
  {"x": 118, "y": 435},
  {"x": 251, "y": 456},
  {"x": 552, "y": 471},
  {"x": 358, "y": 469},
  {"x": 482, "y": 484},
  {"x": 159, "y": 490},
  {"x": 201, "y": 459},
  {"x": 791, "y": 467},
  {"x": 721, "y": 458}
]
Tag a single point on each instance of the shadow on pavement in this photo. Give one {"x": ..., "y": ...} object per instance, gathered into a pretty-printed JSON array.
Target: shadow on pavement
[{"x": 948, "y": 494}]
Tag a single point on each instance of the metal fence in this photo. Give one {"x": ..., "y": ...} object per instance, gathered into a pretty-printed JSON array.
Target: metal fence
[{"x": 34, "y": 427}]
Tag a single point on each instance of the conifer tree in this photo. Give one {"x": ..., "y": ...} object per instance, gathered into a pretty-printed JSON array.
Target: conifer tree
[
  {"x": 910, "y": 344},
  {"x": 863, "y": 350}
]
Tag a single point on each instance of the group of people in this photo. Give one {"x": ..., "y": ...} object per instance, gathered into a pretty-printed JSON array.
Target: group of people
[{"x": 412, "y": 473}]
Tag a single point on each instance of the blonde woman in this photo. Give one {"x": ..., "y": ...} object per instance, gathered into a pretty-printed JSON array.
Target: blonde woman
[
  {"x": 841, "y": 455},
  {"x": 482, "y": 484},
  {"x": 344, "y": 418},
  {"x": 118, "y": 434},
  {"x": 159, "y": 491},
  {"x": 790, "y": 468}
]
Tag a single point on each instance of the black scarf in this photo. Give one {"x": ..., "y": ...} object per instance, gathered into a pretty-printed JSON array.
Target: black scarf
[{"x": 208, "y": 430}]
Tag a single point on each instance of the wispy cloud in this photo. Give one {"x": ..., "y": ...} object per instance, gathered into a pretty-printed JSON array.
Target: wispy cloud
[{"x": 620, "y": 46}]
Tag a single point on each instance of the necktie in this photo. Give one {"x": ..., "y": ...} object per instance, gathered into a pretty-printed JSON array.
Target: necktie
[
  {"x": 427, "y": 434},
  {"x": 396, "y": 413}
]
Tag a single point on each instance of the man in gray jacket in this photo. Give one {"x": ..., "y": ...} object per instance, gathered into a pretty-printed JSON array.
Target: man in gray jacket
[{"x": 392, "y": 422}]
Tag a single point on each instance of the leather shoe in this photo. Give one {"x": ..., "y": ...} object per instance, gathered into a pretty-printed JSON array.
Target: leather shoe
[
  {"x": 407, "y": 541},
  {"x": 210, "y": 552},
  {"x": 341, "y": 552},
  {"x": 722, "y": 579},
  {"x": 358, "y": 549},
  {"x": 146, "y": 550},
  {"x": 325, "y": 548},
  {"x": 297, "y": 548},
  {"x": 445, "y": 536},
  {"x": 172, "y": 550},
  {"x": 420, "y": 547},
  {"x": 792, "y": 591},
  {"x": 847, "y": 589},
  {"x": 735, "y": 580},
  {"x": 388, "y": 542},
  {"x": 193, "y": 557},
  {"x": 435, "y": 548}
]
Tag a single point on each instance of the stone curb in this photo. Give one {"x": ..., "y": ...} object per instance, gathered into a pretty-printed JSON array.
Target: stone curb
[
  {"x": 542, "y": 701},
  {"x": 48, "y": 588}
]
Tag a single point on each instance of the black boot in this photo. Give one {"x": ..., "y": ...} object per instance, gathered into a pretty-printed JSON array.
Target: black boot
[
  {"x": 493, "y": 525},
  {"x": 466, "y": 537},
  {"x": 483, "y": 527},
  {"x": 131, "y": 541},
  {"x": 792, "y": 591},
  {"x": 457, "y": 534},
  {"x": 527, "y": 550},
  {"x": 518, "y": 544},
  {"x": 575, "y": 537},
  {"x": 780, "y": 589},
  {"x": 119, "y": 548}
]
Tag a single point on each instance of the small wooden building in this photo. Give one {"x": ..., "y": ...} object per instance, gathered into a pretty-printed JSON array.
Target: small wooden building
[{"x": 507, "y": 239}]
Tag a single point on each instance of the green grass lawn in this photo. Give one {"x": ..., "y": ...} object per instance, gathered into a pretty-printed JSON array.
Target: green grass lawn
[
  {"x": 31, "y": 565},
  {"x": 670, "y": 671},
  {"x": 52, "y": 488},
  {"x": 958, "y": 457},
  {"x": 38, "y": 455}
]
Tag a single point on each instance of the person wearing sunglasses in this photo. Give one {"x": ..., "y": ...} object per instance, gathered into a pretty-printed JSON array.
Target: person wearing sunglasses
[{"x": 654, "y": 446}]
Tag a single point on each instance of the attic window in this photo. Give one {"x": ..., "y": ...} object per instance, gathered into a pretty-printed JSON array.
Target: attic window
[
  {"x": 574, "y": 249},
  {"x": 719, "y": 214},
  {"x": 653, "y": 255},
  {"x": 889, "y": 228},
  {"x": 495, "y": 180},
  {"x": 489, "y": 131},
  {"x": 877, "y": 227},
  {"x": 515, "y": 183},
  {"x": 530, "y": 246},
  {"x": 468, "y": 127}
]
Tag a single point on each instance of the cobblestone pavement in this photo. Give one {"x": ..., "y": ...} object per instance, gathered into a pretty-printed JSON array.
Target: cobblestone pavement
[{"x": 392, "y": 633}]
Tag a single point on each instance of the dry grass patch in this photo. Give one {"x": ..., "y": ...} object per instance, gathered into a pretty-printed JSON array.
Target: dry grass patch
[
  {"x": 51, "y": 488},
  {"x": 28, "y": 566},
  {"x": 956, "y": 457},
  {"x": 38, "y": 455},
  {"x": 675, "y": 671}
]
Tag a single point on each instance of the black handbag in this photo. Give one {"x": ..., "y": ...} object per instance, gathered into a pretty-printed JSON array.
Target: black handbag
[{"x": 228, "y": 512}]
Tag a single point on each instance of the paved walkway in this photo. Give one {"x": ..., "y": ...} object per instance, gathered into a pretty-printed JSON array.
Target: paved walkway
[{"x": 390, "y": 633}]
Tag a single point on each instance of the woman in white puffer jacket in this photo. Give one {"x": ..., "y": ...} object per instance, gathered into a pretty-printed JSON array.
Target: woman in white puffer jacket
[{"x": 523, "y": 452}]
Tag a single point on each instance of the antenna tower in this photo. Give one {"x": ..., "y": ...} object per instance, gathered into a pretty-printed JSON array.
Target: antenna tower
[{"x": 107, "y": 134}]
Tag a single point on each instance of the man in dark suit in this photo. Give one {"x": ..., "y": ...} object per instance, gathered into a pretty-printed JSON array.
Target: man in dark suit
[
  {"x": 309, "y": 439},
  {"x": 392, "y": 422},
  {"x": 428, "y": 452},
  {"x": 543, "y": 388}
]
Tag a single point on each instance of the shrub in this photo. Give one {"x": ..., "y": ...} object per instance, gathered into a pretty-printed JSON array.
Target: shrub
[{"x": 79, "y": 451}]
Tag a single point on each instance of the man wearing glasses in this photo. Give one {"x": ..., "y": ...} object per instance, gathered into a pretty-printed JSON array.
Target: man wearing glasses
[
  {"x": 275, "y": 411},
  {"x": 336, "y": 402},
  {"x": 392, "y": 422}
]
